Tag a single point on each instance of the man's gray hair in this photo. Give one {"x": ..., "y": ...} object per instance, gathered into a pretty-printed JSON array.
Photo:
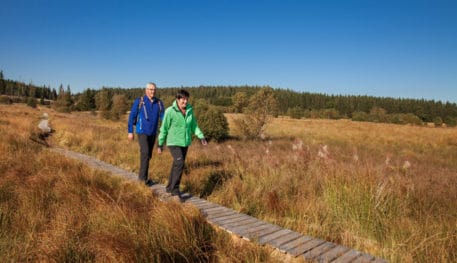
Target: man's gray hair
[{"x": 151, "y": 83}]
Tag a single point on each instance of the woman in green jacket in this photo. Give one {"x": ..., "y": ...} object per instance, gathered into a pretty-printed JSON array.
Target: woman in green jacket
[{"x": 178, "y": 125}]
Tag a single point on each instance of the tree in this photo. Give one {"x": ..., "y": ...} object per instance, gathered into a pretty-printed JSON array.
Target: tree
[
  {"x": 239, "y": 101},
  {"x": 2, "y": 83},
  {"x": 118, "y": 107},
  {"x": 63, "y": 102},
  {"x": 262, "y": 107},
  {"x": 103, "y": 102},
  {"x": 86, "y": 101}
]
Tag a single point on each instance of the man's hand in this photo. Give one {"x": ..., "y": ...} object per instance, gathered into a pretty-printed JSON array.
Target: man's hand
[
  {"x": 204, "y": 142},
  {"x": 160, "y": 149},
  {"x": 130, "y": 136}
]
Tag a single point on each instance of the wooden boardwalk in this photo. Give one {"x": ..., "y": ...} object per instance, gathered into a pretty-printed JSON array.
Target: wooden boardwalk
[{"x": 247, "y": 227}]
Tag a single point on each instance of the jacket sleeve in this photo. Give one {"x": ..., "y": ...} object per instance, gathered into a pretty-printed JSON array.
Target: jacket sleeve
[
  {"x": 164, "y": 127},
  {"x": 133, "y": 115}
]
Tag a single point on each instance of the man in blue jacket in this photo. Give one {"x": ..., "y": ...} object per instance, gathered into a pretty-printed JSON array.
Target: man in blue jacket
[{"x": 145, "y": 115}]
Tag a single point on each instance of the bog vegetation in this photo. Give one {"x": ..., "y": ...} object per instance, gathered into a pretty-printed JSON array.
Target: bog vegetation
[
  {"x": 57, "y": 210},
  {"x": 385, "y": 189}
]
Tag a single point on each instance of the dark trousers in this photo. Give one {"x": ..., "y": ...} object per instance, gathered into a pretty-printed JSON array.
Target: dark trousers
[
  {"x": 179, "y": 157},
  {"x": 146, "y": 147}
]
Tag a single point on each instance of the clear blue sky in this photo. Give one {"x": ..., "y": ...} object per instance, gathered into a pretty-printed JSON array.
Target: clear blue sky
[{"x": 383, "y": 48}]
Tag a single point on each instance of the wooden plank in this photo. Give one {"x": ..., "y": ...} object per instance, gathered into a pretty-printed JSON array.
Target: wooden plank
[
  {"x": 206, "y": 211},
  {"x": 239, "y": 230},
  {"x": 247, "y": 222},
  {"x": 210, "y": 205},
  {"x": 379, "y": 260},
  {"x": 287, "y": 247},
  {"x": 260, "y": 231},
  {"x": 298, "y": 250},
  {"x": 332, "y": 254},
  {"x": 347, "y": 257},
  {"x": 222, "y": 218},
  {"x": 364, "y": 258},
  {"x": 201, "y": 204},
  {"x": 241, "y": 222},
  {"x": 220, "y": 214},
  {"x": 231, "y": 220},
  {"x": 265, "y": 238},
  {"x": 284, "y": 239},
  {"x": 319, "y": 250}
]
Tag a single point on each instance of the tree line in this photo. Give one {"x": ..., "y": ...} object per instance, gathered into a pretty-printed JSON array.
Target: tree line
[{"x": 113, "y": 102}]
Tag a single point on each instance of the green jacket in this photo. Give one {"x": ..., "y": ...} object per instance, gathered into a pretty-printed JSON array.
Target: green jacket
[{"x": 176, "y": 129}]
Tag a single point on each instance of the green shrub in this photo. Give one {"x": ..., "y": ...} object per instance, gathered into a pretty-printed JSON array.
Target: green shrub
[{"x": 213, "y": 124}]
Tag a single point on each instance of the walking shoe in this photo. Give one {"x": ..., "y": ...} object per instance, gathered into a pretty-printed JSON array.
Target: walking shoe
[{"x": 149, "y": 182}]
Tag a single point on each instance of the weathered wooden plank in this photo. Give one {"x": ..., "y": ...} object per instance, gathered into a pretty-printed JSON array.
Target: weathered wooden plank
[
  {"x": 298, "y": 250},
  {"x": 317, "y": 251},
  {"x": 216, "y": 213},
  {"x": 260, "y": 231},
  {"x": 347, "y": 257},
  {"x": 209, "y": 205},
  {"x": 216, "y": 209},
  {"x": 284, "y": 239},
  {"x": 240, "y": 222},
  {"x": 265, "y": 238},
  {"x": 201, "y": 204},
  {"x": 287, "y": 247},
  {"x": 196, "y": 201},
  {"x": 239, "y": 230},
  {"x": 332, "y": 254},
  {"x": 222, "y": 218},
  {"x": 231, "y": 220},
  {"x": 220, "y": 214},
  {"x": 363, "y": 258}
]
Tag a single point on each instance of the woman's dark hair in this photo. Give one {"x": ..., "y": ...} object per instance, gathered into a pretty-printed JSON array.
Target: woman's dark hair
[{"x": 182, "y": 94}]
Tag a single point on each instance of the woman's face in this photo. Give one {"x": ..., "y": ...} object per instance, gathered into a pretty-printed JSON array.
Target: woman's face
[{"x": 182, "y": 102}]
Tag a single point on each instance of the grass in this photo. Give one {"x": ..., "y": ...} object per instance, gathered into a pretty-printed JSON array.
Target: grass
[
  {"x": 57, "y": 210},
  {"x": 385, "y": 189}
]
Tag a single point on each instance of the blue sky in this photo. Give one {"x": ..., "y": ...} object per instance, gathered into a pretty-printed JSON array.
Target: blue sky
[{"x": 385, "y": 48}]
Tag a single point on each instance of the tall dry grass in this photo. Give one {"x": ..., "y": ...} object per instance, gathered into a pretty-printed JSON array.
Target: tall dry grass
[
  {"x": 57, "y": 210},
  {"x": 381, "y": 188}
]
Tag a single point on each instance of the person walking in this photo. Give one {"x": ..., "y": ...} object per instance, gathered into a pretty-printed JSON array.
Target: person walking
[
  {"x": 178, "y": 126},
  {"x": 145, "y": 114}
]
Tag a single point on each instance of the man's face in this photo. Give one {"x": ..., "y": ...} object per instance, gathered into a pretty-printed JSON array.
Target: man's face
[
  {"x": 182, "y": 102},
  {"x": 150, "y": 90}
]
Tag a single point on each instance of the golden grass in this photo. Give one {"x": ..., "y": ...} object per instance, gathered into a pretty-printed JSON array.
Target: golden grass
[
  {"x": 385, "y": 189},
  {"x": 57, "y": 210}
]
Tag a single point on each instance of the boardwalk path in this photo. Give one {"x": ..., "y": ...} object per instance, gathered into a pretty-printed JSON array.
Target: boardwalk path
[{"x": 247, "y": 227}]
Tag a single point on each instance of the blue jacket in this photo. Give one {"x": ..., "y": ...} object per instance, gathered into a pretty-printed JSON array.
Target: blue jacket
[{"x": 147, "y": 116}]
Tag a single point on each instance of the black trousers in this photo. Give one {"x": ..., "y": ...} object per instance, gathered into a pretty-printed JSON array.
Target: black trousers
[
  {"x": 179, "y": 157},
  {"x": 146, "y": 147}
]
